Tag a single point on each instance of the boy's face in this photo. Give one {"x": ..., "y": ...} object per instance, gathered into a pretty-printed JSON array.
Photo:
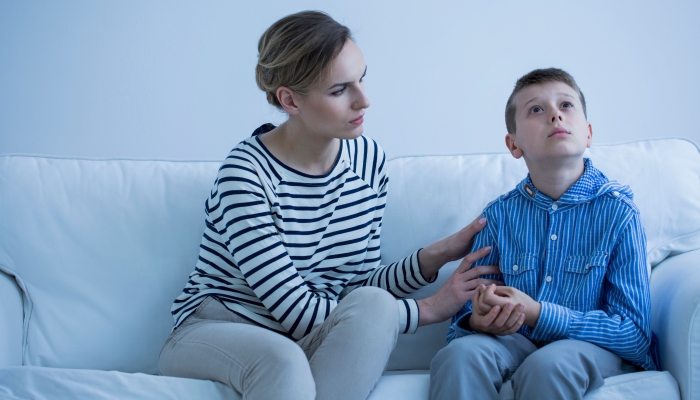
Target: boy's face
[{"x": 549, "y": 124}]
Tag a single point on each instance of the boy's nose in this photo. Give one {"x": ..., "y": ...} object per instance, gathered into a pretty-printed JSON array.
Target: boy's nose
[{"x": 557, "y": 116}]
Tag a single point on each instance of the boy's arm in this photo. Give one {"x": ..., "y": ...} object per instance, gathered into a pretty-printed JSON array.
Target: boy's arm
[
  {"x": 486, "y": 237},
  {"x": 623, "y": 324}
]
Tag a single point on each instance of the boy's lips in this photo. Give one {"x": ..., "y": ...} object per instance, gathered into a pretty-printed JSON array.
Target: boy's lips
[
  {"x": 358, "y": 120},
  {"x": 559, "y": 132}
]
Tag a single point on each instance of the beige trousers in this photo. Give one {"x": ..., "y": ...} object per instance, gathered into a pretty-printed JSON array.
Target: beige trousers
[{"x": 343, "y": 358}]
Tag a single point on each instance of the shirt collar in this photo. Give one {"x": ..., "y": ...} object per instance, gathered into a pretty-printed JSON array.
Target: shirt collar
[{"x": 590, "y": 185}]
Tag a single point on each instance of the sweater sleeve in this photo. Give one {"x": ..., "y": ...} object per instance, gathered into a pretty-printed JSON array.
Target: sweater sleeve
[
  {"x": 399, "y": 278},
  {"x": 239, "y": 211}
]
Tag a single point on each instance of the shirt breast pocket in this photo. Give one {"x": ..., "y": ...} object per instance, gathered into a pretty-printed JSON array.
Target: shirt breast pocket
[
  {"x": 583, "y": 280},
  {"x": 520, "y": 272}
]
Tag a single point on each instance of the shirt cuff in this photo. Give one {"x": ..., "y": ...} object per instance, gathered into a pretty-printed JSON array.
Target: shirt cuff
[
  {"x": 408, "y": 315},
  {"x": 553, "y": 324}
]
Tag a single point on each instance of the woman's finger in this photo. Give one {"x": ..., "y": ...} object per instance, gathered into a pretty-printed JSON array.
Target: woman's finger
[
  {"x": 468, "y": 232},
  {"x": 471, "y": 258}
]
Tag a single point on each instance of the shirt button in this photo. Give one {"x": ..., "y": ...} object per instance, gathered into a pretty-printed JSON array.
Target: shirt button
[
  {"x": 616, "y": 193},
  {"x": 515, "y": 267},
  {"x": 554, "y": 237},
  {"x": 555, "y": 207},
  {"x": 548, "y": 279}
]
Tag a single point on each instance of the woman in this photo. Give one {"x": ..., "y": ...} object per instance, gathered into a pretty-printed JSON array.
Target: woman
[{"x": 293, "y": 225}]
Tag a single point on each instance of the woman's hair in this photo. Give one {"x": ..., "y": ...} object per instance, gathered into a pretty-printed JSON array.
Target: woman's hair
[{"x": 295, "y": 51}]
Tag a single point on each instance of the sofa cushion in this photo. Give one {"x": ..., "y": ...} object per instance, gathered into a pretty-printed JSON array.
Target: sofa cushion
[
  {"x": 415, "y": 385},
  {"x": 39, "y": 383},
  {"x": 101, "y": 248}
]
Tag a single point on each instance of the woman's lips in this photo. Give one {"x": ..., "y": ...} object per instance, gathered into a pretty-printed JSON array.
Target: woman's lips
[{"x": 358, "y": 120}]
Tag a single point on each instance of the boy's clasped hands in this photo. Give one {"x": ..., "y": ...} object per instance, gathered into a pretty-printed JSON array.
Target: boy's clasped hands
[{"x": 487, "y": 303}]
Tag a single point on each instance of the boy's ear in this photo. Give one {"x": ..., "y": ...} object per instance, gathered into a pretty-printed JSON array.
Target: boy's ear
[
  {"x": 515, "y": 151},
  {"x": 289, "y": 100},
  {"x": 589, "y": 141}
]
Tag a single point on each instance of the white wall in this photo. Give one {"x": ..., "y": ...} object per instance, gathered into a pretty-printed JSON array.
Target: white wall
[{"x": 174, "y": 79}]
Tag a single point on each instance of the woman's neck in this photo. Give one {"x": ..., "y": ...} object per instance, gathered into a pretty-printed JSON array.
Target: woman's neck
[
  {"x": 554, "y": 178},
  {"x": 298, "y": 148}
]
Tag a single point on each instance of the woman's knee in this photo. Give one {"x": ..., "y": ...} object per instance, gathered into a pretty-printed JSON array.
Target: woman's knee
[{"x": 373, "y": 303}]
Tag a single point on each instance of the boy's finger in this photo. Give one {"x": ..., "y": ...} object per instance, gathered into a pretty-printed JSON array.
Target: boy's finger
[
  {"x": 503, "y": 316},
  {"x": 518, "y": 323},
  {"x": 490, "y": 316},
  {"x": 514, "y": 316}
]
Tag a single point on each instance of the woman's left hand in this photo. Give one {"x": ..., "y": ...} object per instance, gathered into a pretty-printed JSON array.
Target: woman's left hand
[{"x": 451, "y": 248}]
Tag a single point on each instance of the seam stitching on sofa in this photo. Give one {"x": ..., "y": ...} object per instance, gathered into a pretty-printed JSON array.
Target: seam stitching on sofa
[
  {"x": 27, "y": 303},
  {"x": 693, "y": 319}
]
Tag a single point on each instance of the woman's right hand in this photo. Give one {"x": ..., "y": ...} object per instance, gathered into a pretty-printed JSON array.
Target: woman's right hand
[{"x": 457, "y": 290}]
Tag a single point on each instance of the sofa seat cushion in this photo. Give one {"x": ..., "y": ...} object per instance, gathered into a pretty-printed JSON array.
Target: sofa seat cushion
[
  {"x": 649, "y": 385},
  {"x": 39, "y": 383}
]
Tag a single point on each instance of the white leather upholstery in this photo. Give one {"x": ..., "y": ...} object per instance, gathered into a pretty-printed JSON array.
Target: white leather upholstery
[
  {"x": 675, "y": 291},
  {"x": 10, "y": 322},
  {"x": 100, "y": 248}
]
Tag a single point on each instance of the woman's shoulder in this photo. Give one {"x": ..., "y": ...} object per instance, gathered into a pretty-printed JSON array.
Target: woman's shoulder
[{"x": 365, "y": 154}]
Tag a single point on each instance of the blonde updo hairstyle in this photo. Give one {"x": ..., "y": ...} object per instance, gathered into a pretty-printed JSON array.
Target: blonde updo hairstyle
[{"x": 295, "y": 51}]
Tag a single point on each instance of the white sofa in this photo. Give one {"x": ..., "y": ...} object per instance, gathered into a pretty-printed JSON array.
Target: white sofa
[{"x": 92, "y": 253}]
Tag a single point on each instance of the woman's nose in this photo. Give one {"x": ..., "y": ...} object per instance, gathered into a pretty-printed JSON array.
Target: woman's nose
[{"x": 362, "y": 100}]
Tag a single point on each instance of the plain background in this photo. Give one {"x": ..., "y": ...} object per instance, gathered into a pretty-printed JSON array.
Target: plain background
[{"x": 174, "y": 79}]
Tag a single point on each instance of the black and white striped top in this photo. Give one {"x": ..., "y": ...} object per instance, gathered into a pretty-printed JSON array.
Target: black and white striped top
[{"x": 281, "y": 247}]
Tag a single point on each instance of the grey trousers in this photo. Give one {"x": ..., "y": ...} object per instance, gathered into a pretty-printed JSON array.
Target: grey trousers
[
  {"x": 475, "y": 367},
  {"x": 343, "y": 358}
]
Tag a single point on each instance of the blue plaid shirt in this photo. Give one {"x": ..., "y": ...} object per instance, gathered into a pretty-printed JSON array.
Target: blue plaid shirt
[{"x": 583, "y": 257}]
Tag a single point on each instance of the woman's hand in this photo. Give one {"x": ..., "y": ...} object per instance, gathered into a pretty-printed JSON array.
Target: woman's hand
[
  {"x": 457, "y": 290},
  {"x": 451, "y": 248},
  {"x": 499, "y": 317}
]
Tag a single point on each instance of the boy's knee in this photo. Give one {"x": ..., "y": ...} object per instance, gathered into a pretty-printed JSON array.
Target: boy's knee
[{"x": 460, "y": 354}]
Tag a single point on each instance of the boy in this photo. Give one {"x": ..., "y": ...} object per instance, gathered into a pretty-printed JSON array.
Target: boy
[{"x": 572, "y": 252}]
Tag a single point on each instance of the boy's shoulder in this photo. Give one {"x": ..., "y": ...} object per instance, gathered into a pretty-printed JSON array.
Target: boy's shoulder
[{"x": 502, "y": 200}]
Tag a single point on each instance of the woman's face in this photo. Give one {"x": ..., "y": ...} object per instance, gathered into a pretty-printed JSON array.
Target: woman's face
[{"x": 335, "y": 105}]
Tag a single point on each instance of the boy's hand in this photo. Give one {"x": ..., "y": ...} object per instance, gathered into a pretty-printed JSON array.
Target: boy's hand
[
  {"x": 502, "y": 295},
  {"x": 501, "y": 319}
]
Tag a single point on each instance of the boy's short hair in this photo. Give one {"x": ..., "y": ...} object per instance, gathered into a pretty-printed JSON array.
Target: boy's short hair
[{"x": 533, "y": 78}]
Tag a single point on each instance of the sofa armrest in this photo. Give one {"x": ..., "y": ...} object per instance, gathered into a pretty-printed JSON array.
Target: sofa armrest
[
  {"x": 11, "y": 322},
  {"x": 675, "y": 299}
]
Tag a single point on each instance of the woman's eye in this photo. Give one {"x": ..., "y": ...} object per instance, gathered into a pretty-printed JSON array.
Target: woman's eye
[{"x": 339, "y": 92}]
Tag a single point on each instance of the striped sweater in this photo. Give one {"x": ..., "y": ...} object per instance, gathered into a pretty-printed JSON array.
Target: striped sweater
[{"x": 281, "y": 247}]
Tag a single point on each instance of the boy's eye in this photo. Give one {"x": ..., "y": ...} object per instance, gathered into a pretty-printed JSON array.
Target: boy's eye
[
  {"x": 566, "y": 104},
  {"x": 536, "y": 109}
]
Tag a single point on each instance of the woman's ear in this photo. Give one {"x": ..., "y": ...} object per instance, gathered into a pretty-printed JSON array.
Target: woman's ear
[
  {"x": 289, "y": 100},
  {"x": 515, "y": 151}
]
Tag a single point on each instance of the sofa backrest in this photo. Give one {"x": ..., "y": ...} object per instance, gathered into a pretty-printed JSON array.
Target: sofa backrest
[
  {"x": 431, "y": 197},
  {"x": 100, "y": 248}
]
